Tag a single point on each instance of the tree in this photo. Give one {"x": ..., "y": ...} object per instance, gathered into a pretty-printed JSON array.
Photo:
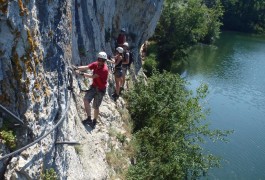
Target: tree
[
  {"x": 244, "y": 15},
  {"x": 169, "y": 129},
  {"x": 183, "y": 24}
]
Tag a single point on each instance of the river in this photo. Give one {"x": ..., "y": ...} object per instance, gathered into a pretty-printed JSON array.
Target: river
[{"x": 234, "y": 70}]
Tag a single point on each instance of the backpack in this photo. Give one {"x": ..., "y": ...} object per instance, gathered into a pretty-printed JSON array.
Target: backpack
[{"x": 131, "y": 59}]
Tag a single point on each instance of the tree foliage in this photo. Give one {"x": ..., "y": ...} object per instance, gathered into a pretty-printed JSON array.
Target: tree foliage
[
  {"x": 244, "y": 15},
  {"x": 150, "y": 61},
  {"x": 169, "y": 129},
  {"x": 7, "y": 135},
  {"x": 183, "y": 24}
]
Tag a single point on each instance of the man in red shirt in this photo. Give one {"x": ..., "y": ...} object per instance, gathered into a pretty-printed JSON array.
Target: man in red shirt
[{"x": 97, "y": 89}]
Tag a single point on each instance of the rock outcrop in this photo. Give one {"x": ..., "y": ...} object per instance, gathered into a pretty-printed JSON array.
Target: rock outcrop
[{"x": 39, "y": 41}]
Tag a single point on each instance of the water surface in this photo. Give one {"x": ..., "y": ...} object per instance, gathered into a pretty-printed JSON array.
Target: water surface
[{"x": 234, "y": 70}]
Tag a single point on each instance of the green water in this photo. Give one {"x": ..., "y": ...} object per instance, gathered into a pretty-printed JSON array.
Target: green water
[{"x": 234, "y": 70}]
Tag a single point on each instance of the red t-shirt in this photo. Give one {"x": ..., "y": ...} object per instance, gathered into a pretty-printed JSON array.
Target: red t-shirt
[{"x": 101, "y": 81}]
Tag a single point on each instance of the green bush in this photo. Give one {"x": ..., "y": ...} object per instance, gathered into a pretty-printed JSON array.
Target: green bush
[
  {"x": 121, "y": 137},
  {"x": 8, "y": 136},
  {"x": 150, "y": 63},
  {"x": 169, "y": 129},
  {"x": 49, "y": 174}
]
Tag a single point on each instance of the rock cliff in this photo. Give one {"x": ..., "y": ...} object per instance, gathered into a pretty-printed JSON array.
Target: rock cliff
[{"x": 39, "y": 41}]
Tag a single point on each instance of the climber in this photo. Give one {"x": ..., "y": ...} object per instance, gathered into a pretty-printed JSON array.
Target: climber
[
  {"x": 125, "y": 63},
  {"x": 143, "y": 50},
  {"x": 121, "y": 38},
  {"x": 97, "y": 89},
  {"x": 117, "y": 60}
]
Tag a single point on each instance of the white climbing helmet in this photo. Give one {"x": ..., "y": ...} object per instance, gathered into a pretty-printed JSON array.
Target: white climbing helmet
[
  {"x": 102, "y": 55},
  {"x": 119, "y": 49},
  {"x": 126, "y": 44}
]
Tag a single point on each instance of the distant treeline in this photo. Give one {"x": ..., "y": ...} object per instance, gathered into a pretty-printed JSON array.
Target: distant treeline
[
  {"x": 244, "y": 15},
  {"x": 184, "y": 23}
]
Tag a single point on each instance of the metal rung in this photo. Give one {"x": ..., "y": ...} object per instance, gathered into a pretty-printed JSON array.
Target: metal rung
[{"x": 68, "y": 142}]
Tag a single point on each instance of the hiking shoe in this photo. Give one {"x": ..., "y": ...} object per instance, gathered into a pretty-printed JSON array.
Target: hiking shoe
[
  {"x": 93, "y": 123},
  {"x": 87, "y": 121},
  {"x": 115, "y": 97}
]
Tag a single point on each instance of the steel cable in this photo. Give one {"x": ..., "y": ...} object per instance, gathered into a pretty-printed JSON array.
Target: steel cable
[
  {"x": 42, "y": 137},
  {"x": 11, "y": 114}
]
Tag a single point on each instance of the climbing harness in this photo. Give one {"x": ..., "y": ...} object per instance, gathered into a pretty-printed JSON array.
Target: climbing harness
[
  {"x": 79, "y": 85},
  {"x": 111, "y": 78},
  {"x": 70, "y": 72},
  {"x": 110, "y": 65}
]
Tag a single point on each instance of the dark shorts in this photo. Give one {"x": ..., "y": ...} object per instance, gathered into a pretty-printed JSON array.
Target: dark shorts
[
  {"x": 124, "y": 70},
  {"x": 97, "y": 95},
  {"x": 118, "y": 73}
]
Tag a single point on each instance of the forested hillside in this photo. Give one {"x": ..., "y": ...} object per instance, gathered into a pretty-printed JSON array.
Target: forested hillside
[
  {"x": 244, "y": 15},
  {"x": 187, "y": 23}
]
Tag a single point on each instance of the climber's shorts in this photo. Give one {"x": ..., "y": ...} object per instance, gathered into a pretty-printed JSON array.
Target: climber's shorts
[
  {"x": 118, "y": 73},
  {"x": 124, "y": 70},
  {"x": 96, "y": 95}
]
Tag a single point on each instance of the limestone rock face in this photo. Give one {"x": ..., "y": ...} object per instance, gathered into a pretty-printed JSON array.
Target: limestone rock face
[{"x": 39, "y": 41}]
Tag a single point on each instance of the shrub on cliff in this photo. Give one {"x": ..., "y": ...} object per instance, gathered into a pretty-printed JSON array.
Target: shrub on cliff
[{"x": 170, "y": 129}]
